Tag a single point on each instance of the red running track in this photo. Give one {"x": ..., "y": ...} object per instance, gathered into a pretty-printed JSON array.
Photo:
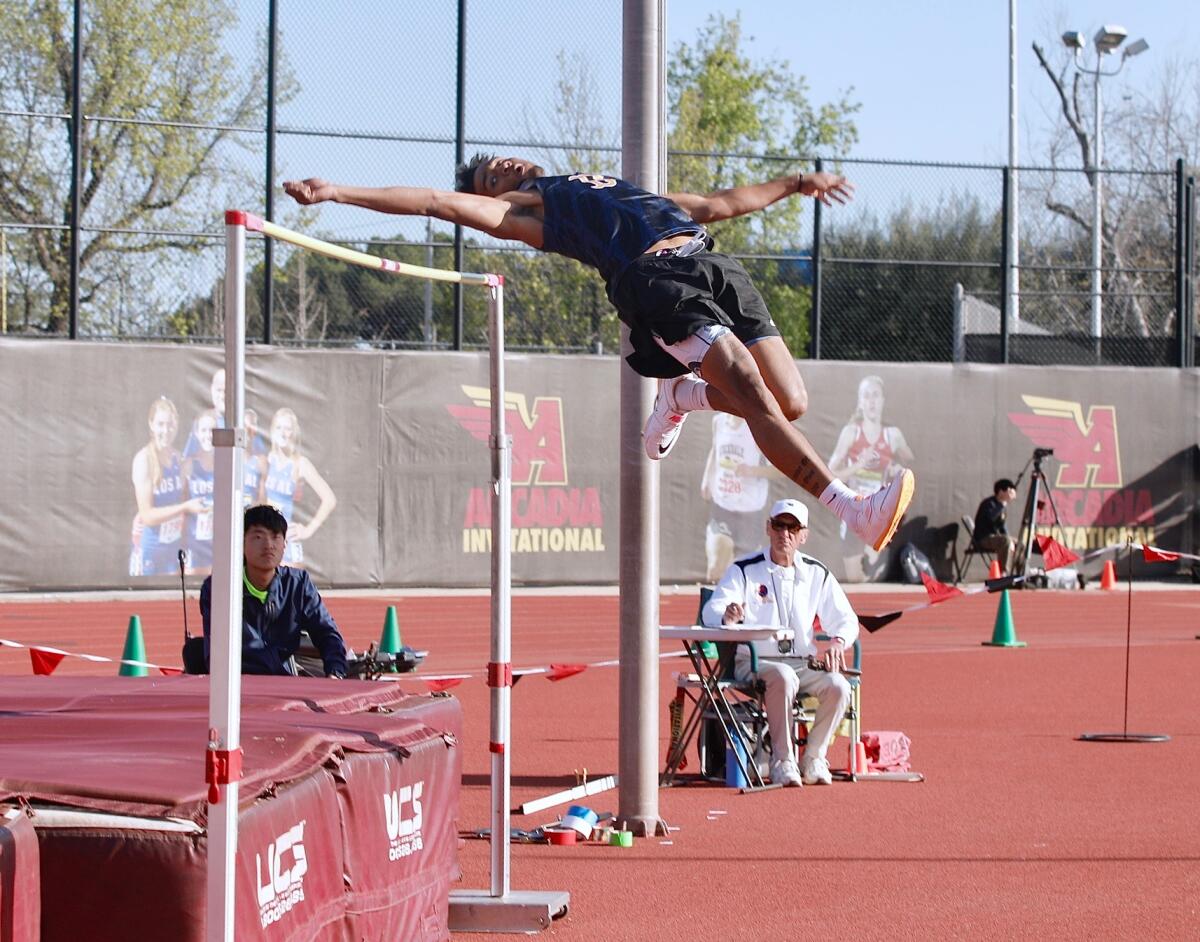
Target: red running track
[{"x": 1019, "y": 832}]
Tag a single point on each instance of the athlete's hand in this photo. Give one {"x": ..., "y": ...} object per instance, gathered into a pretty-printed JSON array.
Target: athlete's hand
[
  {"x": 827, "y": 187},
  {"x": 734, "y": 614},
  {"x": 197, "y": 505},
  {"x": 299, "y": 532},
  {"x": 312, "y": 190}
]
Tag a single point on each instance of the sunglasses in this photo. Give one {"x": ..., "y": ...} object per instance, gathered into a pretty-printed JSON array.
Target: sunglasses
[{"x": 780, "y": 525}]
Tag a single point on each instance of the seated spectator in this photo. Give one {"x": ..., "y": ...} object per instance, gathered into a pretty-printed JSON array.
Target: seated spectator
[
  {"x": 278, "y": 603},
  {"x": 778, "y": 585},
  {"x": 991, "y": 534}
]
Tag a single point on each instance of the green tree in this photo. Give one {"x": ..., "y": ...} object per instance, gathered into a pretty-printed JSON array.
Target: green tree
[
  {"x": 735, "y": 120},
  {"x": 152, "y": 71}
]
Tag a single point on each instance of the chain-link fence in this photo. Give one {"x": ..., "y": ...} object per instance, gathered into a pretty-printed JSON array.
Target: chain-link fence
[{"x": 188, "y": 107}]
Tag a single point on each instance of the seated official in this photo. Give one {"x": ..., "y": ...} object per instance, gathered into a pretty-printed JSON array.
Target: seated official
[
  {"x": 278, "y": 603},
  {"x": 991, "y": 533},
  {"x": 781, "y": 586}
]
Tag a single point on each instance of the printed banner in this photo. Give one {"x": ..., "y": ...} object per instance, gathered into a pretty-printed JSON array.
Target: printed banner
[{"x": 380, "y": 462}]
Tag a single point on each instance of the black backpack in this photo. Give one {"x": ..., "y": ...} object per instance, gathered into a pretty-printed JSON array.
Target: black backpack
[{"x": 912, "y": 563}]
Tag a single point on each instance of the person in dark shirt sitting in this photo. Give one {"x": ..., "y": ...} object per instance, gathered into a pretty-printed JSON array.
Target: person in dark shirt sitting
[
  {"x": 278, "y": 603},
  {"x": 991, "y": 534}
]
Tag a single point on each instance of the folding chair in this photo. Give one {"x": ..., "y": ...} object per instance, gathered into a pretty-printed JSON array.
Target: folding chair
[
  {"x": 971, "y": 551},
  {"x": 735, "y": 702}
]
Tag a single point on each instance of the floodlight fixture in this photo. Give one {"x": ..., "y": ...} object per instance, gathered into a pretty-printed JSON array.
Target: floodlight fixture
[
  {"x": 1135, "y": 49},
  {"x": 1108, "y": 38},
  {"x": 1074, "y": 39}
]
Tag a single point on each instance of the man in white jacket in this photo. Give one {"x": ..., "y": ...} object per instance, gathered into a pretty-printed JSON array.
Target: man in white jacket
[{"x": 778, "y": 585}]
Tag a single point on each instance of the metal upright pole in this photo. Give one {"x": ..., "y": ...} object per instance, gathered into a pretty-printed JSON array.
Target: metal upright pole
[
  {"x": 1097, "y": 223},
  {"x": 76, "y": 173},
  {"x": 814, "y": 350},
  {"x": 1180, "y": 270},
  {"x": 1189, "y": 298},
  {"x": 501, "y": 909},
  {"x": 500, "y": 665},
  {"x": 642, "y": 133},
  {"x": 460, "y": 134},
  {"x": 225, "y": 643},
  {"x": 1012, "y": 232},
  {"x": 1005, "y": 264},
  {"x": 268, "y": 295}
]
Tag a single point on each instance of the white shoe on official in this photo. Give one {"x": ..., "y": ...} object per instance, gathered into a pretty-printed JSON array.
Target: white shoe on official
[
  {"x": 785, "y": 773},
  {"x": 874, "y": 518},
  {"x": 662, "y": 428},
  {"x": 814, "y": 771}
]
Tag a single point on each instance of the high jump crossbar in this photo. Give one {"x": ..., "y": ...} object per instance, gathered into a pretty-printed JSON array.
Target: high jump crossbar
[{"x": 498, "y": 908}]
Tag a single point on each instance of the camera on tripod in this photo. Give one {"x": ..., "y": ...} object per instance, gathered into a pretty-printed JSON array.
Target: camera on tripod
[{"x": 1040, "y": 453}]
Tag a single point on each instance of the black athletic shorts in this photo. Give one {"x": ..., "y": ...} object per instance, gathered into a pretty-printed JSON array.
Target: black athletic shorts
[{"x": 674, "y": 296}]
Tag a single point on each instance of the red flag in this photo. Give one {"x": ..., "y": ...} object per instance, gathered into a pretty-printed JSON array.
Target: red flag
[
  {"x": 170, "y": 671},
  {"x": 938, "y": 591},
  {"x": 562, "y": 671},
  {"x": 443, "y": 684},
  {"x": 44, "y": 662},
  {"x": 1054, "y": 554},
  {"x": 1152, "y": 555}
]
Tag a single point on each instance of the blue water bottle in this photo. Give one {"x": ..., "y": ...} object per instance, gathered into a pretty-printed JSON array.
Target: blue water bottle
[{"x": 734, "y": 777}]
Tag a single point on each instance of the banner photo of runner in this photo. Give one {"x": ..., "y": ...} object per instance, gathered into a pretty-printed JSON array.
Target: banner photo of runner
[{"x": 379, "y": 461}]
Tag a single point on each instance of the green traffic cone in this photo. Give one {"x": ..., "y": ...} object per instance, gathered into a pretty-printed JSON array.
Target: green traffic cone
[
  {"x": 135, "y": 650},
  {"x": 389, "y": 641},
  {"x": 1004, "y": 635}
]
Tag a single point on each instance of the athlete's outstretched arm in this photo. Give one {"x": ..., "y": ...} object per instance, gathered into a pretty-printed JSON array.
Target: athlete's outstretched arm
[
  {"x": 739, "y": 200},
  {"x": 502, "y": 218}
]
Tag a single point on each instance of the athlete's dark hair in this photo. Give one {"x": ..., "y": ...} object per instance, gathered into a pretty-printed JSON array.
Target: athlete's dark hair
[
  {"x": 264, "y": 515},
  {"x": 464, "y": 174},
  {"x": 1002, "y": 485}
]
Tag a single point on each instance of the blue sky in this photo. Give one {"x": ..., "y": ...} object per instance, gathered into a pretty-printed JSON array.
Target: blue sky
[{"x": 932, "y": 75}]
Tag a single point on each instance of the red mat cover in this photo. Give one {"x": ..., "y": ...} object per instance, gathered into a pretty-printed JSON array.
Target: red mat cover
[{"x": 348, "y": 817}]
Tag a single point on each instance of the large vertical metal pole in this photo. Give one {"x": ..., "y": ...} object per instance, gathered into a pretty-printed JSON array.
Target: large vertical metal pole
[
  {"x": 643, "y": 23},
  {"x": 814, "y": 349},
  {"x": 1005, "y": 263},
  {"x": 1012, "y": 233},
  {"x": 1180, "y": 271},
  {"x": 460, "y": 143},
  {"x": 500, "y": 665},
  {"x": 1189, "y": 297},
  {"x": 1097, "y": 225},
  {"x": 76, "y": 173},
  {"x": 225, "y": 640},
  {"x": 268, "y": 295}
]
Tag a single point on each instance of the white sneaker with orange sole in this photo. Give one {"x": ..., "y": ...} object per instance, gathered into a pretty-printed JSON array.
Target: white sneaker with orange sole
[{"x": 874, "y": 518}]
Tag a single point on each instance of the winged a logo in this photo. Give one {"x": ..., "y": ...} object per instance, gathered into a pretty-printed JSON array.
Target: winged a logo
[
  {"x": 1087, "y": 450},
  {"x": 539, "y": 452}
]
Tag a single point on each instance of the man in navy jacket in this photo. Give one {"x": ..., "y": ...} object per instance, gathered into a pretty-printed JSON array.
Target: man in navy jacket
[{"x": 278, "y": 602}]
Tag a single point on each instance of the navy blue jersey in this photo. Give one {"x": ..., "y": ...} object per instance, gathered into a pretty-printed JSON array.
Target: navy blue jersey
[{"x": 605, "y": 222}]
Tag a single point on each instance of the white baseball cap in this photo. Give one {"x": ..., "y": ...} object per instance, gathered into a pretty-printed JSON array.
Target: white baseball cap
[{"x": 792, "y": 507}]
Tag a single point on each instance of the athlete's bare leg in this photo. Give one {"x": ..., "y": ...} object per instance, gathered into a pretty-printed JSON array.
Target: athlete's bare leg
[
  {"x": 736, "y": 384},
  {"x": 765, "y": 389},
  {"x": 778, "y": 369}
]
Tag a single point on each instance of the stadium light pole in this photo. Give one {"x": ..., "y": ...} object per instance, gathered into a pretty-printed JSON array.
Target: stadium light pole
[{"x": 1107, "y": 41}]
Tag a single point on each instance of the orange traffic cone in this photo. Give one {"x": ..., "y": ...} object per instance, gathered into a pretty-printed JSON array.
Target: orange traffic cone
[
  {"x": 994, "y": 570},
  {"x": 860, "y": 758},
  {"x": 1108, "y": 577}
]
